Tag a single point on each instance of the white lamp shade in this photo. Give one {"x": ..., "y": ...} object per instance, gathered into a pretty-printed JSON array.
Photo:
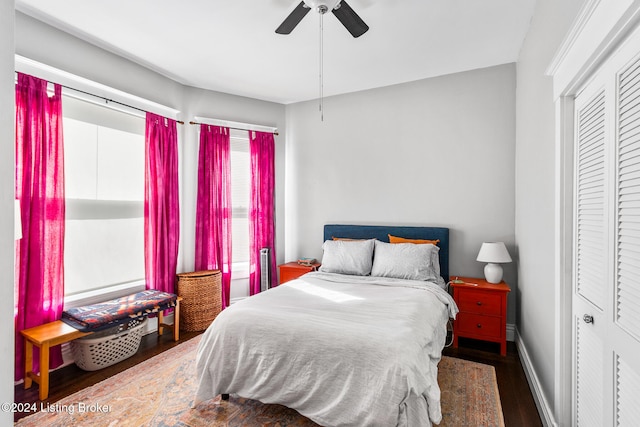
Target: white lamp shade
[
  {"x": 493, "y": 252},
  {"x": 17, "y": 221}
]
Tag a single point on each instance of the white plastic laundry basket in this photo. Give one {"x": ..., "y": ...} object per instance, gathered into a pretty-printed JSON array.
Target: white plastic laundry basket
[{"x": 108, "y": 347}]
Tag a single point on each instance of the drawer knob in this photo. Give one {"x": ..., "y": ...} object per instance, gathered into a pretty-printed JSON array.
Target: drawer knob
[
  {"x": 479, "y": 303},
  {"x": 479, "y": 325},
  {"x": 587, "y": 318}
]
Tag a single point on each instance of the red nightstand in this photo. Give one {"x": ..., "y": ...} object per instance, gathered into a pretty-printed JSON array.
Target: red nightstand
[
  {"x": 293, "y": 270},
  {"x": 483, "y": 311}
]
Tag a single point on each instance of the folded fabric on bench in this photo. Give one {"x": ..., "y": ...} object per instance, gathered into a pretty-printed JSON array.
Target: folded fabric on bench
[{"x": 96, "y": 317}]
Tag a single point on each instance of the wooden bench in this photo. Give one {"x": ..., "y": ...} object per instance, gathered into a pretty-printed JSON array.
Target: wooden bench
[{"x": 55, "y": 333}]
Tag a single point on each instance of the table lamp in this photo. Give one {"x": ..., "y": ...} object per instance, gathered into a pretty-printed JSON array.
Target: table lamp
[{"x": 493, "y": 253}]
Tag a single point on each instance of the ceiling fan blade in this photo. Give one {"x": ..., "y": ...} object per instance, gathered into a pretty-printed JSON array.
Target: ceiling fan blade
[
  {"x": 293, "y": 19},
  {"x": 352, "y": 22}
]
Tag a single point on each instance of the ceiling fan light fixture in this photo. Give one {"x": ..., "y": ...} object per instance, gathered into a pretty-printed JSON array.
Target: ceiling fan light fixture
[
  {"x": 340, "y": 8},
  {"x": 322, "y": 6},
  {"x": 342, "y": 11}
]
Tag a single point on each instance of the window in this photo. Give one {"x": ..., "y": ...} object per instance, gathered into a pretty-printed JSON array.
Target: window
[
  {"x": 240, "y": 193},
  {"x": 104, "y": 191}
]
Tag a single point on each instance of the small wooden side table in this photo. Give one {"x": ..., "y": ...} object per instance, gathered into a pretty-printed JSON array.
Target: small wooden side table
[
  {"x": 57, "y": 332},
  {"x": 483, "y": 311},
  {"x": 44, "y": 337},
  {"x": 293, "y": 270}
]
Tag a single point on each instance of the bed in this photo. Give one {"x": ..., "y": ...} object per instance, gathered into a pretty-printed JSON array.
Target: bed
[{"x": 344, "y": 348}]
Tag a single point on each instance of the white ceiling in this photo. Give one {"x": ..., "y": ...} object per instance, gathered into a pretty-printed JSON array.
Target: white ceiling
[{"x": 231, "y": 45}]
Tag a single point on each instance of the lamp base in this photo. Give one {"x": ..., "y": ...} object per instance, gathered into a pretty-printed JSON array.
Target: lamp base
[{"x": 493, "y": 273}]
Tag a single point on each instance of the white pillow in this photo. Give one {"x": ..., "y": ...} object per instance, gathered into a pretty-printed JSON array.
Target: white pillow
[
  {"x": 347, "y": 257},
  {"x": 407, "y": 261}
]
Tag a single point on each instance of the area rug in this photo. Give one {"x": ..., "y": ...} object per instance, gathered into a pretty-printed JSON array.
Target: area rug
[{"x": 159, "y": 392}]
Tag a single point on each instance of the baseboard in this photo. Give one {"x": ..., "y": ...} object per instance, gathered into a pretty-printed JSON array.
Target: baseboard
[
  {"x": 544, "y": 409},
  {"x": 511, "y": 332}
]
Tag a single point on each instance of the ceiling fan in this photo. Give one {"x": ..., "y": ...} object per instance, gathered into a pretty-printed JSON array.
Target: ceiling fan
[{"x": 352, "y": 22}]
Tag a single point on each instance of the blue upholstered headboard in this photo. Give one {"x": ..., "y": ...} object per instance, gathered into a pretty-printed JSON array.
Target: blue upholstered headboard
[{"x": 381, "y": 232}]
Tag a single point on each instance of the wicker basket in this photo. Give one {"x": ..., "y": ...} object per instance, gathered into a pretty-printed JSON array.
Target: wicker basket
[
  {"x": 201, "y": 299},
  {"x": 108, "y": 347}
]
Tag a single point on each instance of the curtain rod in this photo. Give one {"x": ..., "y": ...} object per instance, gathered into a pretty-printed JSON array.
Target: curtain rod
[
  {"x": 233, "y": 125},
  {"x": 106, "y": 99}
]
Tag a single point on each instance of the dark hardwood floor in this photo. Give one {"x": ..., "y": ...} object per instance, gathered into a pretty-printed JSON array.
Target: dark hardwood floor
[{"x": 517, "y": 401}]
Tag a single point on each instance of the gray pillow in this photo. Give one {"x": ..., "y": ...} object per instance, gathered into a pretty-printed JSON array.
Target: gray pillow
[
  {"x": 347, "y": 257},
  {"x": 407, "y": 261}
]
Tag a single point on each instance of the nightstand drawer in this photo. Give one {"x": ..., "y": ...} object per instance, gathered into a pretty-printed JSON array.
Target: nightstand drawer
[
  {"x": 480, "y": 302},
  {"x": 293, "y": 270},
  {"x": 290, "y": 274},
  {"x": 475, "y": 324}
]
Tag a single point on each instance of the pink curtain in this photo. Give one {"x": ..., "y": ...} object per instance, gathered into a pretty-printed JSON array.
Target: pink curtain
[
  {"x": 261, "y": 206},
  {"x": 39, "y": 288},
  {"x": 161, "y": 204},
  {"x": 213, "y": 211}
]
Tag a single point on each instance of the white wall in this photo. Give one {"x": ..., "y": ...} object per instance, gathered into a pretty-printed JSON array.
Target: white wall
[
  {"x": 7, "y": 244},
  {"x": 43, "y": 43},
  {"x": 535, "y": 186},
  {"x": 436, "y": 152}
]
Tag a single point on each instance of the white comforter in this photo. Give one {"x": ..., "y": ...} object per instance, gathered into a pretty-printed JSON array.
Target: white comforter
[{"x": 341, "y": 350}]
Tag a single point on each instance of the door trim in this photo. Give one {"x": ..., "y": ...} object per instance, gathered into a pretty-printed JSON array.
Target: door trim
[
  {"x": 563, "y": 269},
  {"x": 596, "y": 33}
]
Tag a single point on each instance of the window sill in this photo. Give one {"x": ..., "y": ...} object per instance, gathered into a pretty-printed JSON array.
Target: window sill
[
  {"x": 239, "y": 270},
  {"x": 103, "y": 294}
]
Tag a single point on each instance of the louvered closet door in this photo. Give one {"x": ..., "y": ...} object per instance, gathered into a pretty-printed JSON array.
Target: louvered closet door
[
  {"x": 626, "y": 325},
  {"x": 590, "y": 253},
  {"x": 607, "y": 245}
]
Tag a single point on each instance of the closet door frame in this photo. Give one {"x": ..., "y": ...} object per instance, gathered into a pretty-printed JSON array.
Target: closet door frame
[{"x": 598, "y": 30}]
